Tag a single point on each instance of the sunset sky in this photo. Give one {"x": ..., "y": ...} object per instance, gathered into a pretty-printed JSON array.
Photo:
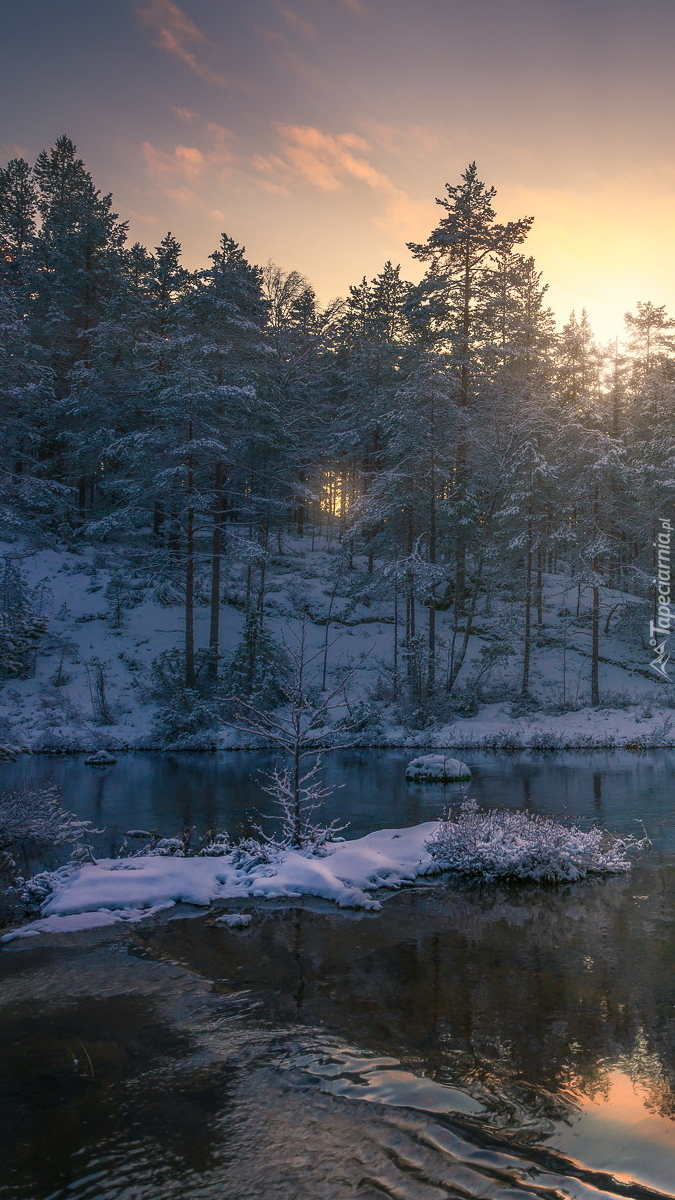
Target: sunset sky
[{"x": 318, "y": 132}]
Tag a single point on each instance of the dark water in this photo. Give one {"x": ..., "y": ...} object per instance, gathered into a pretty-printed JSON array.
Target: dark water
[
  {"x": 463, "y": 1042},
  {"x": 170, "y": 792}
]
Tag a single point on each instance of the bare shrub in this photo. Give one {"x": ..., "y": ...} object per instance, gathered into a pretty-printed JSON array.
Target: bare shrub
[{"x": 32, "y": 816}]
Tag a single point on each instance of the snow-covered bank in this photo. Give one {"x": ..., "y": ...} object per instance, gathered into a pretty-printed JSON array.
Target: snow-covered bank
[
  {"x": 93, "y": 686},
  {"x": 130, "y": 888}
]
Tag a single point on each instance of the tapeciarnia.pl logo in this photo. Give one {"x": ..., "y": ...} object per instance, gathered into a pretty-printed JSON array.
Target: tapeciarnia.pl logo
[{"x": 663, "y": 624}]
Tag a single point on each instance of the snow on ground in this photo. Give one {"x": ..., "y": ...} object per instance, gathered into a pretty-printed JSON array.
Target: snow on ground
[
  {"x": 56, "y": 709},
  {"x": 128, "y": 889}
]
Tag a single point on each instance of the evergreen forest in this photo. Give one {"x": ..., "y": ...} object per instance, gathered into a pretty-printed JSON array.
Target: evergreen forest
[{"x": 454, "y": 448}]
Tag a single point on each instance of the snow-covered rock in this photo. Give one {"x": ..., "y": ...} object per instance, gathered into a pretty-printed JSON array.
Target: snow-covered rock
[
  {"x": 10, "y": 753},
  {"x": 437, "y": 768},
  {"x": 102, "y": 758},
  {"x": 234, "y": 920}
]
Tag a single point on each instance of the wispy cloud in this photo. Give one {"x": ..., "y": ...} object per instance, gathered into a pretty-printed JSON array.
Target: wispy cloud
[
  {"x": 185, "y": 197},
  {"x": 356, "y": 6},
  {"x": 323, "y": 159},
  {"x": 184, "y": 114},
  {"x": 177, "y": 33},
  {"x": 416, "y": 141},
  {"x": 331, "y": 163},
  {"x": 297, "y": 22},
  {"x": 289, "y": 57}
]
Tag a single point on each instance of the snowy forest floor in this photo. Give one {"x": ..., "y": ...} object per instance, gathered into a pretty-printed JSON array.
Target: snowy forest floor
[{"x": 109, "y": 616}]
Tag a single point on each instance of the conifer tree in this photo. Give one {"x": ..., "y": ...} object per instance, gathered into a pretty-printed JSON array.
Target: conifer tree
[{"x": 449, "y": 305}]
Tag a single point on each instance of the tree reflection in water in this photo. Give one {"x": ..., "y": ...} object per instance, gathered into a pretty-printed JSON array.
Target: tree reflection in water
[{"x": 531, "y": 998}]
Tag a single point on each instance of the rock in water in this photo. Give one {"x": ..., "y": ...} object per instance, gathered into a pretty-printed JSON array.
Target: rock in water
[
  {"x": 437, "y": 768},
  {"x": 100, "y": 759}
]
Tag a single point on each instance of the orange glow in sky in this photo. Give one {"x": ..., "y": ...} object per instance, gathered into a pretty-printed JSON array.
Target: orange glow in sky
[{"x": 318, "y": 132}]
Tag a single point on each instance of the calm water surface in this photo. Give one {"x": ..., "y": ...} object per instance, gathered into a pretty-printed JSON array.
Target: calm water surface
[{"x": 463, "y": 1042}]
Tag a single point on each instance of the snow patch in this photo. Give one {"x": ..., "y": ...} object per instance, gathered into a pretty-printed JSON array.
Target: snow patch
[{"x": 86, "y": 920}]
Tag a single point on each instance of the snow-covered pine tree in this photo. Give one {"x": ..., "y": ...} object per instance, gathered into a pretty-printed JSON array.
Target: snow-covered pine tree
[
  {"x": 76, "y": 265},
  {"x": 449, "y": 306}
]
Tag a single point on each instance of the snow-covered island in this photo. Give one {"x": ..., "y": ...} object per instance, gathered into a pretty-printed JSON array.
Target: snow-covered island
[{"x": 492, "y": 845}]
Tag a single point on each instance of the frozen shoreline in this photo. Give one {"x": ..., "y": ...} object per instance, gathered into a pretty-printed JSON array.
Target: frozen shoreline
[{"x": 613, "y": 729}]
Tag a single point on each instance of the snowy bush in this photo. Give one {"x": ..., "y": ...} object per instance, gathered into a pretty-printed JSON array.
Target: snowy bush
[
  {"x": 503, "y": 739},
  {"x": 662, "y": 733},
  {"x": 364, "y": 721},
  {"x": 170, "y": 847},
  {"x": 546, "y": 739},
  {"x": 251, "y": 854},
  {"x": 215, "y": 845},
  {"x": 499, "y": 844},
  {"x": 464, "y": 700},
  {"x": 40, "y": 887},
  {"x": 33, "y": 816},
  {"x": 185, "y": 714},
  {"x": 168, "y": 673},
  {"x": 121, "y": 594},
  {"x": 212, "y": 844},
  {"x": 257, "y": 669},
  {"x": 297, "y": 801}
]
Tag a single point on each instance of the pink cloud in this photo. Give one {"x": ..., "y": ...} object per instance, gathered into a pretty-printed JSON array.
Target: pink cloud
[
  {"x": 184, "y": 114},
  {"x": 190, "y": 163},
  {"x": 187, "y": 162},
  {"x": 328, "y": 160},
  {"x": 296, "y": 21},
  {"x": 332, "y": 163},
  {"x": 175, "y": 32}
]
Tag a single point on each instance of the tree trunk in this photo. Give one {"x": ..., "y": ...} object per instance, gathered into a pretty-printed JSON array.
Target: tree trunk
[
  {"x": 82, "y": 496},
  {"x": 297, "y": 809},
  {"x": 527, "y": 647},
  {"x": 157, "y": 519},
  {"x": 460, "y": 571},
  {"x": 410, "y": 598},
  {"x": 595, "y": 637},
  {"x": 458, "y": 663},
  {"x": 216, "y": 554},
  {"x": 190, "y": 674},
  {"x": 395, "y": 636},
  {"x": 431, "y": 668},
  {"x": 595, "y": 651}
]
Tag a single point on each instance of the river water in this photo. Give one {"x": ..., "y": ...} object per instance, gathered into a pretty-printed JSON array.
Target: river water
[{"x": 465, "y": 1041}]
